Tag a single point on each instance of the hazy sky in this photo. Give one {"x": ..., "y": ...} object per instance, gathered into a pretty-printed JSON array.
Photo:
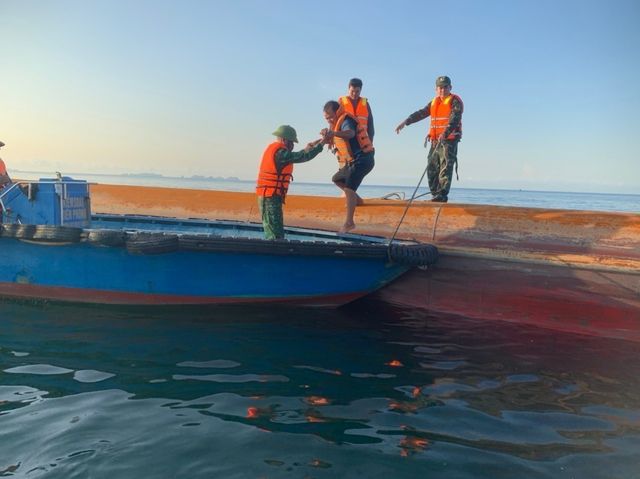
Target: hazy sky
[{"x": 551, "y": 88}]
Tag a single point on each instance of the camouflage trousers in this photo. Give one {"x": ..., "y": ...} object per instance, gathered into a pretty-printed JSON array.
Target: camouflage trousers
[
  {"x": 272, "y": 216},
  {"x": 442, "y": 159}
]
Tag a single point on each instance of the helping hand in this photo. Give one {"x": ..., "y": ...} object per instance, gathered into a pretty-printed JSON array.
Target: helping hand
[
  {"x": 327, "y": 135},
  {"x": 313, "y": 144}
]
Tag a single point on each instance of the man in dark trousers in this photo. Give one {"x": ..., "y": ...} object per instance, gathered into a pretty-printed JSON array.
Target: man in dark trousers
[
  {"x": 350, "y": 142},
  {"x": 444, "y": 134}
]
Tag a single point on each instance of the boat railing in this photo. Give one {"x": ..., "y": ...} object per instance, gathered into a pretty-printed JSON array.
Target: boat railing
[
  {"x": 13, "y": 186},
  {"x": 29, "y": 188}
]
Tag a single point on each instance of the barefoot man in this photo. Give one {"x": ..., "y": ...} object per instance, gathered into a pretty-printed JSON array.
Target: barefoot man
[{"x": 352, "y": 146}]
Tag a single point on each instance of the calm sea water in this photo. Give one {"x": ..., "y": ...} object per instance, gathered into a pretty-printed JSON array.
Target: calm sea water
[
  {"x": 536, "y": 199},
  {"x": 368, "y": 391}
]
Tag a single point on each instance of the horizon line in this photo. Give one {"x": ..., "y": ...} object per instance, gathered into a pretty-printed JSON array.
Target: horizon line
[{"x": 236, "y": 179}]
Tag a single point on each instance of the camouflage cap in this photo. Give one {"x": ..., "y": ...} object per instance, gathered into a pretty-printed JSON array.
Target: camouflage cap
[
  {"x": 287, "y": 132},
  {"x": 443, "y": 81}
]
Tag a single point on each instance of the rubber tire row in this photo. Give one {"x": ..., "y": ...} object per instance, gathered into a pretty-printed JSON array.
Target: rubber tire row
[
  {"x": 161, "y": 243},
  {"x": 402, "y": 253},
  {"x": 281, "y": 247},
  {"x": 44, "y": 233},
  {"x": 62, "y": 234}
]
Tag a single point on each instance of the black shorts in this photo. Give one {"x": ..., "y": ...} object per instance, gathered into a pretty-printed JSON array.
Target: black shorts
[{"x": 352, "y": 174}]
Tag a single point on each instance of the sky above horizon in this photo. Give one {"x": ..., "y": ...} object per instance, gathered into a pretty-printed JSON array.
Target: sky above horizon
[{"x": 551, "y": 89}]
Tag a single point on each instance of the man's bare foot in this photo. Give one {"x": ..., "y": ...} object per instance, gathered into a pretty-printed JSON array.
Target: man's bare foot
[{"x": 347, "y": 227}]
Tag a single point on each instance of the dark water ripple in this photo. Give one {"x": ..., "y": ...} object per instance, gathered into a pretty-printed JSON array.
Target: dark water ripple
[{"x": 365, "y": 392}]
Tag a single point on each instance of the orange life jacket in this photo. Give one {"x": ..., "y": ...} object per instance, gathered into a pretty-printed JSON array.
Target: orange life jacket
[
  {"x": 270, "y": 181},
  {"x": 3, "y": 168},
  {"x": 343, "y": 150},
  {"x": 439, "y": 113},
  {"x": 361, "y": 111}
]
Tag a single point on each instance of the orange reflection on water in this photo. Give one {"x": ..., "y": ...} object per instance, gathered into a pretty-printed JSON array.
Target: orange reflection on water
[
  {"x": 411, "y": 444},
  {"x": 317, "y": 401},
  {"x": 314, "y": 416},
  {"x": 404, "y": 406},
  {"x": 252, "y": 412},
  {"x": 258, "y": 412}
]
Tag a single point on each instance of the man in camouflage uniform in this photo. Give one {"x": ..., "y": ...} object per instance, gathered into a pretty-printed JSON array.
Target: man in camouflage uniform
[
  {"x": 276, "y": 172},
  {"x": 444, "y": 135}
]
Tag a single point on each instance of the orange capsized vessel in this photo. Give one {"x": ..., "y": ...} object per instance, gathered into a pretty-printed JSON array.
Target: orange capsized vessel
[{"x": 576, "y": 271}]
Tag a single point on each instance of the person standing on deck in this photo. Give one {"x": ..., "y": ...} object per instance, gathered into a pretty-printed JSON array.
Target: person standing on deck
[
  {"x": 276, "y": 172},
  {"x": 352, "y": 146},
  {"x": 4, "y": 176},
  {"x": 360, "y": 108},
  {"x": 444, "y": 134}
]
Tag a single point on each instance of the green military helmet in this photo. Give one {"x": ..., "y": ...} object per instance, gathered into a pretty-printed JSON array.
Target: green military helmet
[
  {"x": 287, "y": 132},
  {"x": 443, "y": 81}
]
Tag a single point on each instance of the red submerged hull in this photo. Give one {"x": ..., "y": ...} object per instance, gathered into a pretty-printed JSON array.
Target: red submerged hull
[
  {"x": 569, "y": 270},
  {"x": 586, "y": 302}
]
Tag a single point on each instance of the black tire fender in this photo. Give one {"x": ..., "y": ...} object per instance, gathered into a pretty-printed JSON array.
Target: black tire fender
[
  {"x": 152, "y": 243},
  {"x": 57, "y": 234},
  {"x": 107, "y": 237},
  {"x": 18, "y": 231},
  {"x": 413, "y": 254}
]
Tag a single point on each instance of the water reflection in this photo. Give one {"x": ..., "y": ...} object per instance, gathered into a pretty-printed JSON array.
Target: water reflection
[{"x": 368, "y": 391}]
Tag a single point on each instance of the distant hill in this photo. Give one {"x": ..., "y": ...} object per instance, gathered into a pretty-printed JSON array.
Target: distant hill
[
  {"x": 192, "y": 177},
  {"x": 140, "y": 175}
]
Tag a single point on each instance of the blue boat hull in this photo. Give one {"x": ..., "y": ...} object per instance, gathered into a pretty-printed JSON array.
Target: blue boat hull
[
  {"x": 82, "y": 272},
  {"x": 52, "y": 248}
]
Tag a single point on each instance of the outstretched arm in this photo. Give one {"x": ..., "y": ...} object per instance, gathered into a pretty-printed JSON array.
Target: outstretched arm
[
  {"x": 284, "y": 157},
  {"x": 415, "y": 117}
]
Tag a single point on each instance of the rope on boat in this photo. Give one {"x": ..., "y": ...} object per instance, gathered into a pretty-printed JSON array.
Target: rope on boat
[
  {"x": 423, "y": 194},
  {"x": 397, "y": 195},
  {"x": 413, "y": 197}
]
